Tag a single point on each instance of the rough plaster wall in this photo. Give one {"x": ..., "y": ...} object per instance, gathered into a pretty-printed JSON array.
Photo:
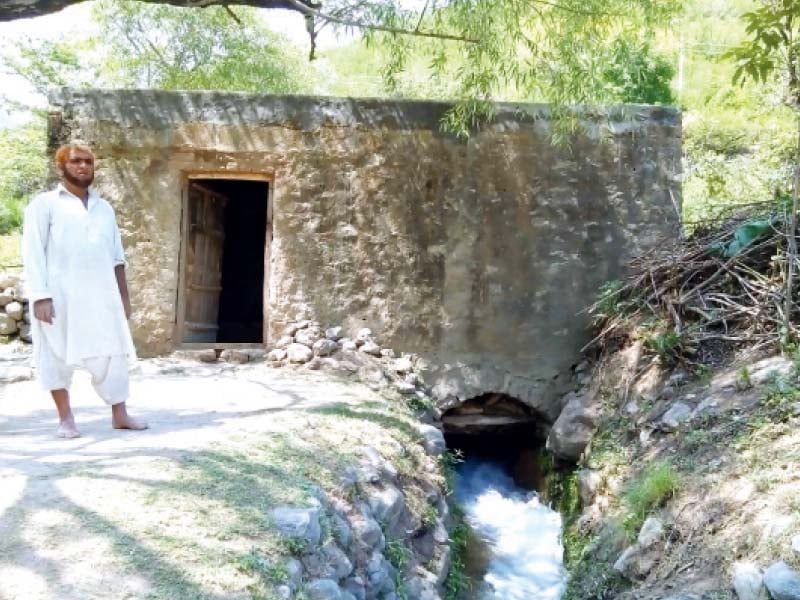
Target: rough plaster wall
[{"x": 478, "y": 255}]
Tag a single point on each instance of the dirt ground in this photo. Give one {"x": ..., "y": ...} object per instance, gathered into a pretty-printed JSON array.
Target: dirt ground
[{"x": 158, "y": 514}]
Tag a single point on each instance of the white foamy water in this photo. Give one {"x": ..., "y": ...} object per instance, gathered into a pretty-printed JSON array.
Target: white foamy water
[{"x": 524, "y": 535}]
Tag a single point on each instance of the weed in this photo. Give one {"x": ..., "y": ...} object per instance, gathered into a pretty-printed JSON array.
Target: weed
[
  {"x": 654, "y": 485},
  {"x": 458, "y": 582},
  {"x": 667, "y": 344},
  {"x": 448, "y": 462},
  {"x": 743, "y": 380},
  {"x": 398, "y": 554},
  {"x": 430, "y": 515},
  {"x": 703, "y": 372},
  {"x": 293, "y": 546}
]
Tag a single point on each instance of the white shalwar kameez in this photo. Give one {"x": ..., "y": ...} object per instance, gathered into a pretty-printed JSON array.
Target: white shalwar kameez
[{"x": 69, "y": 255}]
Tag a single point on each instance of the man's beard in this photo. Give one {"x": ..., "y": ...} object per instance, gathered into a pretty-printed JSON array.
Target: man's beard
[{"x": 81, "y": 182}]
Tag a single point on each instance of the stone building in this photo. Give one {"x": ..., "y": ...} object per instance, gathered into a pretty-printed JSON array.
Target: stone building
[{"x": 240, "y": 213}]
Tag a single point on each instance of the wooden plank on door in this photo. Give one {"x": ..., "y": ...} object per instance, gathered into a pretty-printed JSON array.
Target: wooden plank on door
[{"x": 203, "y": 274}]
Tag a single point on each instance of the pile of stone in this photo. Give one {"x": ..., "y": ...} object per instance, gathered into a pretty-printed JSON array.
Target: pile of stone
[
  {"x": 15, "y": 317},
  {"x": 305, "y": 342}
]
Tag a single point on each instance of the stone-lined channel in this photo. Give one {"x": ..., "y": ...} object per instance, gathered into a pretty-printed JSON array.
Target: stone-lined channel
[{"x": 516, "y": 552}]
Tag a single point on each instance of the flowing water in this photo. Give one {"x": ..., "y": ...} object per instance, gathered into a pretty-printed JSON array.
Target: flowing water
[{"x": 522, "y": 551}]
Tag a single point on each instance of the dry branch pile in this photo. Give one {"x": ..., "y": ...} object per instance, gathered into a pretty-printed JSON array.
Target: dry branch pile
[{"x": 705, "y": 296}]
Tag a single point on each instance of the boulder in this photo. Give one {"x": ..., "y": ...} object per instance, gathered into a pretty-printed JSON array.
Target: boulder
[
  {"x": 14, "y": 310},
  {"x": 25, "y": 332},
  {"x": 232, "y": 355},
  {"x": 402, "y": 365},
  {"x": 323, "y": 589},
  {"x": 308, "y": 337},
  {"x": 387, "y": 353},
  {"x": 5, "y": 299},
  {"x": 363, "y": 335},
  {"x": 432, "y": 440},
  {"x": 348, "y": 345},
  {"x": 572, "y": 431},
  {"x": 748, "y": 581},
  {"x": 405, "y": 388},
  {"x": 782, "y": 581},
  {"x": 298, "y": 523},
  {"x": 333, "y": 333},
  {"x": 325, "y": 347},
  {"x": 276, "y": 355},
  {"x": 293, "y": 328},
  {"x": 677, "y": 414},
  {"x": 371, "y": 348},
  {"x": 8, "y": 325},
  {"x": 299, "y": 353},
  {"x": 328, "y": 562},
  {"x": 284, "y": 342},
  {"x": 651, "y": 532},
  {"x": 8, "y": 280}
]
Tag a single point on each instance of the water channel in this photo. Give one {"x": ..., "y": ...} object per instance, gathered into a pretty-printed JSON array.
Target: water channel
[{"x": 516, "y": 552}]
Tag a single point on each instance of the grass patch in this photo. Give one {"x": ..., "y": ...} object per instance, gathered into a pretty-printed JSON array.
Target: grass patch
[
  {"x": 458, "y": 584},
  {"x": 654, "y": 485},
  {"x": 11, "y": 252}
]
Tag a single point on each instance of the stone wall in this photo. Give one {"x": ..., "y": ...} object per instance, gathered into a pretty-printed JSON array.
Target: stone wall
[{"x": 480, "y": 255}]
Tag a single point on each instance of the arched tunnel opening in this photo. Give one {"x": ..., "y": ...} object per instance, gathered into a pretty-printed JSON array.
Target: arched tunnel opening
[
  {"x": 514, "y": 547},
  {"x": 499, "y": 428}
]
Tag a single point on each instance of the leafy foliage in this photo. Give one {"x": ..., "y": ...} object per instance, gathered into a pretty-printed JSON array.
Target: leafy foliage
[
  {"x": 166, "y": 47},
  {"x": 23, "y": 171}
]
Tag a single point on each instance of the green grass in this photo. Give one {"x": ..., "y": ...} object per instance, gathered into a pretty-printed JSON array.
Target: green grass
[{"x": 655, "y": 484}]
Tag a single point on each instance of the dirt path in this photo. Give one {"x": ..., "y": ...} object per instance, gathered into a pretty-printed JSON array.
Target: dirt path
[{"x": 155, "y": 514}]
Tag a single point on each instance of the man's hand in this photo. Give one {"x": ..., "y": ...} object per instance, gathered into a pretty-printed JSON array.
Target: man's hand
[{"x": 44, "y": 311}]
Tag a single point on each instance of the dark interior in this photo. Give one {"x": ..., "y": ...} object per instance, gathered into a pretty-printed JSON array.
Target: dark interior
[{"x": 241, "y": 302}]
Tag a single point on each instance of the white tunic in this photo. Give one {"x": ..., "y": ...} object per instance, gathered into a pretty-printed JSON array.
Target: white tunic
[{"x": 69, "y": 255}]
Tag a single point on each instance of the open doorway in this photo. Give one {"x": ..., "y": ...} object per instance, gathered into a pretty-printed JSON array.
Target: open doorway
[{"x": 225, "y": 249}]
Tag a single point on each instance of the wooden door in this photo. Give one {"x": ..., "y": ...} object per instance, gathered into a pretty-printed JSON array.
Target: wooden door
[{"x": 205, "y": 238}]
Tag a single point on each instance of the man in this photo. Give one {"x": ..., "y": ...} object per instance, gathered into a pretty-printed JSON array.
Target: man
[{"x": 75, "y": 274}]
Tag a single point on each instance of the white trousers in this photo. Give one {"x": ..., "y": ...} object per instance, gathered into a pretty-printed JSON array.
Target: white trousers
[{"x": 109, "y": 374}]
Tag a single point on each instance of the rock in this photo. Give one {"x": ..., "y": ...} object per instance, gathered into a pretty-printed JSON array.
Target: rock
[
  {"x": 276, "y": 355},
  {"x": 651, "y": 532},
  {"x": 636, "y": 562},
  {"x": 8, "y": 325},
  {"x": 387, "y": 504},
  {"x": 572, "y": 430},
  {"x": 373, "y": 377},
  {"x": 323, "y": 589},
  {"x": 432, "y": 440},
  {"x": 368, "y": 532},
  {"x": 308, "y": 337},
  {"x": 234, "y": 356},
  {"x": 622, "y": 563},
  {"x": 371, "y": 348},
  {"x": 748, "y": 582},
  {"x": 25, "y": 332},
  {"x": 378, "y": 573},
  {"x": 284, "y": 342},
  {"x": 677, "y": 414},
  {"x": 588, "y": 484},
  {"x": 333, "y": 333},
  {"x": 387, "y": 353},
  {"x": 341, "y": 531},
  {"x": 347, "y": 596},
  {"x": 5, "y": 299},
  {"x": 26, "y": 316},
  {"x": 766, "y": 370},
  {"x": 363, "y": 336},
  {"x": 294, "y": 573},
  {"x": 284, "y": 592},
  {"x": 423, "y": 586},
  {"x": 329, "y": 562},
  {"x": 293, "y": 328},
  {"x": 325, "y": 347},
  {"x": 15, "y": 373},
  {"x": 355, "y": 586},
  {"x": 299, "y": 353},
  {"x": 405, "y": 388},
  {"x": 782, "y": 582},
  {"x": 298, "y": 523},
  {"x": 14, "y": 310},
  {"x": 349, "y": 345},
  {"x": 402, "y": 365}
]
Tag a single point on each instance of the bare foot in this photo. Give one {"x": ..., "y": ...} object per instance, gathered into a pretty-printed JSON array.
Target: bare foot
[
  {"x": 67, "y": 430},
  {"x": 127, "y": 422}
]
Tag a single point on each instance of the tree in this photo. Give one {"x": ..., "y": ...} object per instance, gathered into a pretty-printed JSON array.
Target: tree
[
  {"x": 164, "y": 47},
  {"x": 773, "y": 50},
  {"x": 551, "y": 50}
]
